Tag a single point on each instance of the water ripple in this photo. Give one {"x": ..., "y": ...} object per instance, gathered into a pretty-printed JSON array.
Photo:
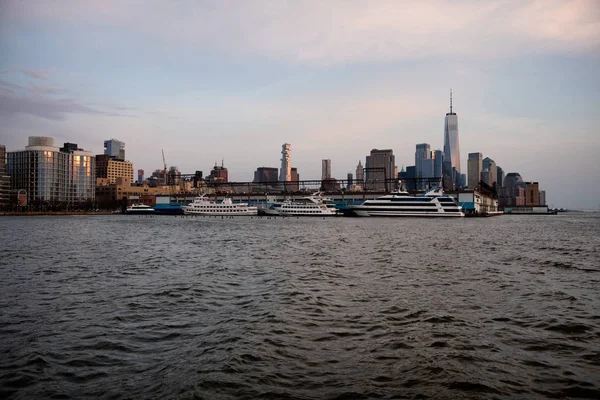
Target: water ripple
[{"x": 203, "y": 308}]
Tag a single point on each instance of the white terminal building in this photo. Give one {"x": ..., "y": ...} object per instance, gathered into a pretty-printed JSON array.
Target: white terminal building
[{"x": 52, "y": 174}]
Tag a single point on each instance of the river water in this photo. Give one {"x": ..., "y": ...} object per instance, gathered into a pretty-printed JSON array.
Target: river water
[{"x": 308, "y": 308}]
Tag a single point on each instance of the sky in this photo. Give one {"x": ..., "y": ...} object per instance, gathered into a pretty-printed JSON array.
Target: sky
[{"x": 224, "y": 80}]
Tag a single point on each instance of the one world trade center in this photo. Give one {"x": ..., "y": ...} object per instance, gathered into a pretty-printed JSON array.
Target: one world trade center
[{"x": 451, "y": 166}]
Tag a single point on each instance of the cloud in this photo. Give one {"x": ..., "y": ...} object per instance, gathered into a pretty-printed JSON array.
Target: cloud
[
  {"x": 330, "y": 32},
  {"x": 44, "y": 107},
  {"x": 9, "y": 87},
  {"x": 41, "y": 74},
  {"x": 47, "y": 90},
  {"x": 42, "y": 101}
]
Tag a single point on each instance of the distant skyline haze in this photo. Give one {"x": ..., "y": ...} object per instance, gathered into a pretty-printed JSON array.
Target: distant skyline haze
[{"x": 229, "y": 80}]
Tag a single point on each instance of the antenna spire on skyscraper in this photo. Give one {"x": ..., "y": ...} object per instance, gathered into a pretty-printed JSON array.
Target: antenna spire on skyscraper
[{"x": 450, "y": 101}]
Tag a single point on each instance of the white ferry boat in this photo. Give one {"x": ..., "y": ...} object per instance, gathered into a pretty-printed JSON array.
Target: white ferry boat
[
  {"x": 139, "y": 209},
  {"x": 434, "y": 203},
  {"x": 203, "y": 206},
  {"x": 313, "y": 205}
]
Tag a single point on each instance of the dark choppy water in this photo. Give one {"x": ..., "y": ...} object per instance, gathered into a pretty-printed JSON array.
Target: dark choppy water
[{"x": 171, "y": 307}]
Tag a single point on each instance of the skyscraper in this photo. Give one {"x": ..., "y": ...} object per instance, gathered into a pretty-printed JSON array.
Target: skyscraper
[
  {"x": 295, "y": 177},
  {"x": 451, "y": 146},
  {"x": 439, "y": 159},
  {"x": 499, "y": 176},
  {"x": 512, "y": 179},
  {"x": 114, "y": 148},
  {"x": 265, "y": 175},
  {"x": 381, "y": 167},
  {"x": 489, "y": 171},
  {"x": 424, "y": 166},
  {"x": 326, "y": 170},
  {"x": 462, "y": 181},
  {"x": 474, "y": 168},
  {"x": 512, "y": 182},
  {"x": 285, "y": 173},
  {"x": 140, "y": 176},
  {"x": 542, "y": 197},
  {"x": 360, "y": 172}
]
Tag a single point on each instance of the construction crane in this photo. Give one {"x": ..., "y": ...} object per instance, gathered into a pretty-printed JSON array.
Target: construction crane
[{"x": 165, "y": 168}]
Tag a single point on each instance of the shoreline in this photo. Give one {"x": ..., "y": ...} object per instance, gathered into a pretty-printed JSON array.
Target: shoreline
[{"x": 35, "y": 213}]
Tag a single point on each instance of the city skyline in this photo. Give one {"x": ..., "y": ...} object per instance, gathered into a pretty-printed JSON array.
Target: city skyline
[{"x": 234, "y": 81}]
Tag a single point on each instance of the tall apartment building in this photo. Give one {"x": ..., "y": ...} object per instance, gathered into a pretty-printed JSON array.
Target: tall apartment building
[
  {"x": 451, "y": 146},
  {"x": 380, "y": 169},
  {"x": 111, "y": 168},
  {"x": 4, "y": 178},
  {"x": 285, "y": 173},
  {"x": 50, "y": 174},
  {"x": 474, "y": 168},
  {"x": 114, "y": 148},
  {"x": 326, "y": 169}
]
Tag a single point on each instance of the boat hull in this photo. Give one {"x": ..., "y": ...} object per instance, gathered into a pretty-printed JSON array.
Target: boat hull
[
  {"x": 390, "y": 213},
  {"x": 299, "y": 214},
  {"x": 248, "y": 212},
  {"x": 141, "y": 212}
]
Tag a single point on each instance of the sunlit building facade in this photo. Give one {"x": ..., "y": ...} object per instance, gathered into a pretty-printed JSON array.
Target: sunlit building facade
[
  {"x": 532, "y": 194},
  {"x": 112, "y": 168},
  {"x": 52, "y": 175},
  {"x": 285, "y": 173},
  {"x": 295, "y": 185}
]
